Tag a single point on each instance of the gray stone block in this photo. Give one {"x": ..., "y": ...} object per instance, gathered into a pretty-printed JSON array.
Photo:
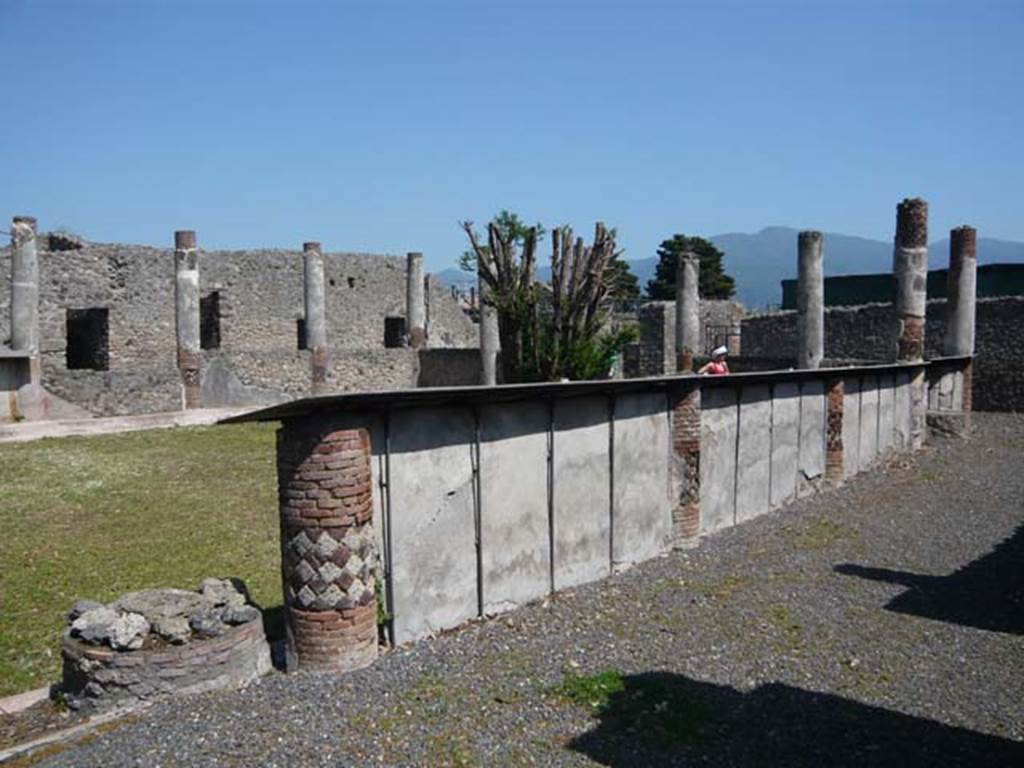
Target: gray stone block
[
  {"x": 642, "y": 515},
  {"x": 582, "y": 491},
  {"x": 432, "y": 520},
  {"x": 514, "y": 504},
  {"x": 753, "y": 481},
  {"x": 719, "y": 411},
  {"x": 785, "y": 442}
]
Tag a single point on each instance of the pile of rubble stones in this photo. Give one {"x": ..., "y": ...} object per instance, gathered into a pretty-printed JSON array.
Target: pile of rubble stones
[{"x": 161, "y": 641}]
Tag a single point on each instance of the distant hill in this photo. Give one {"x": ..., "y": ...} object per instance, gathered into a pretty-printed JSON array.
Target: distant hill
[{"x": 760, "y": 261}]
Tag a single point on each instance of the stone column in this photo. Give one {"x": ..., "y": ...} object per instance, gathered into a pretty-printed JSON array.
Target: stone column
[
  {"x": 186, "y": 309},
  {"x": 961, "y": 292},
  {"x": 686, "y": 466},
  {"x": 810, "y": 301},
  {"x": 489, "y": 341},
  {"x": 834, "y": 467},
  {"x": 687, "y": 311},
  {"x": 415, "y": 308},
  {"x": 24, "y": 286},
  {"x": 316, "y": 314},
  {"x": 328, "y": 554},
  {"x": 910, "y": 271}
]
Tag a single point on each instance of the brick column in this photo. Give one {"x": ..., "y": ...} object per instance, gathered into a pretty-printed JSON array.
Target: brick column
[
  {"x": 186, "y": 311},
  {"x": 834, "y": 433},
  {"x": 910, "y": 271},
  {"x": 316, "y": 314},
  {"x": 686, "y": 465},
  {"x": 328, "y": 554}
]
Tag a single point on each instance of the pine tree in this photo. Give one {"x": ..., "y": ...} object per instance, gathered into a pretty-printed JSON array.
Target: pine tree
[{"x": 714, "y": 282}]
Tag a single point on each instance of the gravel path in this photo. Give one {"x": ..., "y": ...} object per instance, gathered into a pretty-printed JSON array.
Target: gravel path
[{"x": 881, "y": 624}]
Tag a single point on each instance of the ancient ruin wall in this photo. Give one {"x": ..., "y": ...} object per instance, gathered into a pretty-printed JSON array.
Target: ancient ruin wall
[
  {"x": 866, "y": 333},
  {"x": 260, "y": 306},
  {"x": 654, "y": 354}
]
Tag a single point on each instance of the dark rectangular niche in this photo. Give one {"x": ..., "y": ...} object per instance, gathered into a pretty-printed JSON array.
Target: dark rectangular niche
[
  {"x": 209, "y": 321},
  {"x": 394, "y": 332},
  {"x": 300, "y": 333},
  {"x": 88, "y": 339}
]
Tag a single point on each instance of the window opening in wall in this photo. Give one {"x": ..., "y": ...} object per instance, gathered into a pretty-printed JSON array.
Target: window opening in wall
[
  {"x": 351, "y": 282},
  {"x": 331, "y": 282},
  {"x": 394, "y": 332},
  {"x": 88, "y": 339},
  {"x": 209, "y": 321},
  {"x": 300, "y": 333}
]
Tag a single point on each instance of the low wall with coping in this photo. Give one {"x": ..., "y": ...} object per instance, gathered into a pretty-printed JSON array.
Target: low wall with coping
[
  {"x": 486, "y": 498},
  {"x": 866, "y": 332}
]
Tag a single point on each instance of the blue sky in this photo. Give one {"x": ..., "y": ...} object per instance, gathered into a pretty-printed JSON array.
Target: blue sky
[{"x": 377, "y": 126}]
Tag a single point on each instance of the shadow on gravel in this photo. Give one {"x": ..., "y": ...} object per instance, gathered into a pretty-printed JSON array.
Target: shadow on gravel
[
  {"x": 661, "y": 719},
  {"x": 987, "y": 593}
]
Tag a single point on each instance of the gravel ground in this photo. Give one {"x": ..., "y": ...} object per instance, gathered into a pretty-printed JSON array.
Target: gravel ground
[{"x": 880, "y": 624}]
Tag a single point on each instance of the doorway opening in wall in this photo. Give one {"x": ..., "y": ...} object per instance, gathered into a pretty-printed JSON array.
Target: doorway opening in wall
[
  {"x": 394, "y": 332},
  {"x": 300, "y": 334},
  {"x": 209, "y": 321},
  {"x": 88, "y": 339}
]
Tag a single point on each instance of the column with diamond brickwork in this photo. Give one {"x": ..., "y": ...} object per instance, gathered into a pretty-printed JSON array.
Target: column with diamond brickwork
[
  {"x": 328, "y": 551},
  {"x": 834, "y": 467},
  {"x": 686, "y": 465}
]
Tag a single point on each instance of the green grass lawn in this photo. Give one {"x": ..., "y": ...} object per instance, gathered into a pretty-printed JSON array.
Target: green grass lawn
[{"x": 94, "y": 517}]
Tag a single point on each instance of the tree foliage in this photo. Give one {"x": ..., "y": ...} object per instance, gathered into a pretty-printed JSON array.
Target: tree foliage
[
  {"x": 714, "y": 282},
  {"x": 556, "y": 331}
]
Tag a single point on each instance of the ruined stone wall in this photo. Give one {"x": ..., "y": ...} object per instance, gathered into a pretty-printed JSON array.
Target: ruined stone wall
[
  {"x": 260, "y": 306},
  {"x": 654, "y": 354},
  {"x": 867, "y": 333}
]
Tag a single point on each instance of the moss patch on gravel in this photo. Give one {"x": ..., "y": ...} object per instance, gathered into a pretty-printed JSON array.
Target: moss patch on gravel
[
  {"x": 653, "y": 707},
  {"x": 94, "y": 517}
]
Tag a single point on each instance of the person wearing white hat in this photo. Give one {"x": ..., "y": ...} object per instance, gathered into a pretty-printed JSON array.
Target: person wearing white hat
[{"x": 717, "y": 366}]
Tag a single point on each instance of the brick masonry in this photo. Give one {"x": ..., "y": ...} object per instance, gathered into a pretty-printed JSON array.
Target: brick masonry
[
  {"x": 866, "y": 333},
  {"x": 328, "y": 554},
  {"x": 686, "y": 432},
  {"x": 834, "y": 468}
]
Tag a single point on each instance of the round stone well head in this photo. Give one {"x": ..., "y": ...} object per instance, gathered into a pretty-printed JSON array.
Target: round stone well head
[{"x": 162, "y": 642}]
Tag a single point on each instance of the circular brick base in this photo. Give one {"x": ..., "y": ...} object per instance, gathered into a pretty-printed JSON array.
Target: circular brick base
[
  {"x": 332, "y": 641},
  {"x": 98, "y": 677}
]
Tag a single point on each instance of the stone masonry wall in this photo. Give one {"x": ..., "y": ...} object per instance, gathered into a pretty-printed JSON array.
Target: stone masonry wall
[
  {"x": 654, "y": 354},
  {"x": 866, "y": 333},
  {"x": 260, "y": 304}
]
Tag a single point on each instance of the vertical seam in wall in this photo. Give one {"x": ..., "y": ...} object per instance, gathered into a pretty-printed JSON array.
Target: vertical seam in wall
[
  {"x": 551, "y": 495},
  {"x": 389, "y": 590},
  {"x": 736, "y": 474},
  {"x": 892, "y": 427},
  {"x": 878, "y": 417},
  {"x": 799, "y": 437},
  {"x": 771, "y": 439},
  {"x": 611, "y": 484},
  {"x": 478, "y": 512},
  {"x": 860, "y": 421}
]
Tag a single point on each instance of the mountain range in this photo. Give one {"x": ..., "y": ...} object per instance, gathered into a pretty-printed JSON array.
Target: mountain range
[{"x": 760, "y": 261}]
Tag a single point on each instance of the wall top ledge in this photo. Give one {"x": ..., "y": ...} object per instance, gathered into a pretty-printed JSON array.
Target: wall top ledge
[{"x": 503, "y": 393}]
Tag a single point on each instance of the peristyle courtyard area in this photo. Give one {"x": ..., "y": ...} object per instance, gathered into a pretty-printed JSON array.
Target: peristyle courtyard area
[{"x": 880, "y": 624}]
